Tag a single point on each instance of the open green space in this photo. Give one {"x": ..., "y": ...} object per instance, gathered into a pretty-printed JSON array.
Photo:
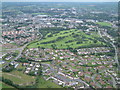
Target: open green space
[
  {"x": 70, "y": 38},
  {"x": 47, "y": 62},
  {"x": 19, "y": 77},
  {"x": 46, "y": 84},
  {"x": 20, "y": 66},
  {"x": 104, "y": 23}
]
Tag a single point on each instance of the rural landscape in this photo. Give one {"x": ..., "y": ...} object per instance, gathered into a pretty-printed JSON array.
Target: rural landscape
[{"x": 66, "y": 45}]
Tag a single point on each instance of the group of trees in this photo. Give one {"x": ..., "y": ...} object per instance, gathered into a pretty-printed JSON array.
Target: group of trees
[
  {"x": 23, "y": 60},
  {"x": 79, "y": 42},
  {"x": 9, "y": 82},
  {"x": 53, "y": 41},
  {"x": 8, "y": 68},
  {"x": 69, "y": 41}
]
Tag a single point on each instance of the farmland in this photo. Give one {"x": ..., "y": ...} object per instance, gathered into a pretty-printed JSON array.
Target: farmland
[
  {"x": 18, "y": 77},
  {"x": 70, "y": 38}
]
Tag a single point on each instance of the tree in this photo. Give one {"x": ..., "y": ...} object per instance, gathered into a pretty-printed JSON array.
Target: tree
[
  {"x": 32, "y": 73},
  {"x": 95, "y": 41},
  {"x": 14, "y": 54},
  {"x": 97, "y": 71},
  {"x": 79, "y": 42},
  {"x": 40, "y": 68}
]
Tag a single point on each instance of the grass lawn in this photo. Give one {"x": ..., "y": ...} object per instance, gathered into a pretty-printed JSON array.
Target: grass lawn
[
  {"x": 46, "y": 62},
  {"x": 46, "y": 84},
  {"x": 69, "y": 38},
  {"x": 104, "y": 23},
  {"x": 21, "y": 67},
  {"x": 18, "y": 77},
  {"x": 3, "y": 85}
]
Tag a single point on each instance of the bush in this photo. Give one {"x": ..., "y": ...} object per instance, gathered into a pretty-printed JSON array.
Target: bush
[
  {"x": 19, "y": 69},
  {"x": 23, "y": 60}
]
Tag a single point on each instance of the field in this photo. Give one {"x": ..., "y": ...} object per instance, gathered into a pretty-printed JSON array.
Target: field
[
  {"x": 19, "y": 78},
  {"x": 46, "y": 84},
  {"x": 103, "y": 23},
  {"x": 70, "y": 38}
]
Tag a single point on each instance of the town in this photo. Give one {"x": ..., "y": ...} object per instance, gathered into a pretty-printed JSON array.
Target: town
[{"x": 59, "y": 47}]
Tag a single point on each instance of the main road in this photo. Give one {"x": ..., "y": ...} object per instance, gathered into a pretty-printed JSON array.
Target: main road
[
  {"x": 115, "y": 57},
  {"x": 22, "y": 48},
  {"x": 116, "y": 50}
]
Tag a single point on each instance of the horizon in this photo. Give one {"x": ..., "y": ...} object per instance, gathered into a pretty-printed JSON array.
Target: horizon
[
  {"x": 61, "y": 2},
  {"x": 84, "y": 1}
]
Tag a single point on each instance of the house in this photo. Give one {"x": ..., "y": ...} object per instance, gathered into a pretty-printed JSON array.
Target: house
[
  {"x": 36, "y": 69},
  {"x": 35, "y": 73},
  {"x": 26, "y": 72},
  {"x": 31, "y": 65},
  {"x": 61, "y": 57},
  {"x": 28, "y": 68},
  {"x": 71, "y": 58},
  {"x": 25, "y": 64},
  {"x": 9, "y": 57},
  {"x": 37, "y": 66},
  {"x": 13, "y": 63}
]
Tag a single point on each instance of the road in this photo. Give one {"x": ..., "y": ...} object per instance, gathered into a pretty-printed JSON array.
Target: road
[
  {"x": 115, "y": 57},
  {"x": 81, "y": 81},
  {"x": 113, "y": 79},
  {"x": 22, "y": 48},
  {"x": 116, "y": 50},
  {"x": 66, "y": 79},
  {"x": 20, "y": 51}
]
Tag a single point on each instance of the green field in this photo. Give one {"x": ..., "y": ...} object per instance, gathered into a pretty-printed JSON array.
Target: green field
[
  {"x": 46, "y": 84},
  {"x": 69, "y": 38},
  {"x": 19, "y": 78},
  {"x": 40, "y": 13},
  {"x": 104, "y": 23}
]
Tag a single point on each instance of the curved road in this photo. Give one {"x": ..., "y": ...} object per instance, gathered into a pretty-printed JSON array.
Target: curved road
[
  {"x": 76, "y": 80},
  {"x": 22, "y": 48},
  {"x": 115, "y": 57},
  {"x": 116, "y": 51}
]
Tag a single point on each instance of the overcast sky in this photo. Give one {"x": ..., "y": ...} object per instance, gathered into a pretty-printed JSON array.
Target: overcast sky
[{"x": 59, "y": 0}]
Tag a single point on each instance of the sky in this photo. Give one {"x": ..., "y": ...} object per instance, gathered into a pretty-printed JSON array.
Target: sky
[{"x": 59, "y": 0}]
